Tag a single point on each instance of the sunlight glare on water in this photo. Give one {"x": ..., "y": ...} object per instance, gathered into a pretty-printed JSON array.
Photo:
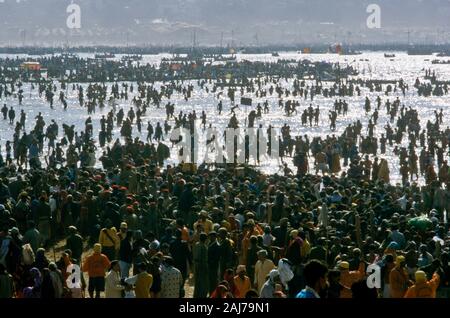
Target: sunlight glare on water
[{"x": 371, "y": 65}]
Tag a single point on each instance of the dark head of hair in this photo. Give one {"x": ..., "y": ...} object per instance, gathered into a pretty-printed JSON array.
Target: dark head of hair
[
  {"x": 68, "y": 252},
  {"x": 203, "y": 237},
  {"x": 142, "y": 267},
  {"x": 178, "y": 233},
  {"x": 356, "y": 252},
  {"x": 436, "y": 263},
  {"x": 113, "y": 263},
  {"x": 168, "y": 261},
  {"x": 225, "y": 283},
  {"x": 389, "y": 258},
  {"x": 155, "y": 260},
  {"x": 302, "y": 235},
  {"x": 252, "y": 294},
  {"x": 321, "y": 241},
  {"x": 334, "y": 274},
  {"x": 260, "y": 239},
  {"x": 229, "y": 271},
  {"x": 314, "y": 270},
  {"x": 151, "y": 236},
  {"x": 46, "y": 273},
  {"x": 108, "y": 223},
  {"x": 165, "y": 246},
  {"x": 360, "y": 290}
]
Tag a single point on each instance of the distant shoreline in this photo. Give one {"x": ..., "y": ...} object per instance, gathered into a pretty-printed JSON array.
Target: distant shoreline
[{"x": 173, "y": 49}]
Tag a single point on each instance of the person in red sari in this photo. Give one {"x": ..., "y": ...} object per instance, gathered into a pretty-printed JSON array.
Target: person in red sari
[{"x": 229, "y": 277}]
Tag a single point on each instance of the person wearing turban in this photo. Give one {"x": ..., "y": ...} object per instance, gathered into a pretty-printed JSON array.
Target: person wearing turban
[{"x": 269, "y": 287}]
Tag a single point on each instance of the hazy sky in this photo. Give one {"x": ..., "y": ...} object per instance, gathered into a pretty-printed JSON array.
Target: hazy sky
[{"x": 242, "y": 22}]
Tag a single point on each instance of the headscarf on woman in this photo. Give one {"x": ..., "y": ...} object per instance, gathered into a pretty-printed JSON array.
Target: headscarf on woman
[{"x": 268, "y": 288}]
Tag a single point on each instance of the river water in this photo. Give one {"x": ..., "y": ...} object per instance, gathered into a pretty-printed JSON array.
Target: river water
[{"x": 371, "y": 65}]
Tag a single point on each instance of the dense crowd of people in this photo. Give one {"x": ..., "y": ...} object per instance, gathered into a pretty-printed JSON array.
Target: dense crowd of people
[{"x": 139, "y": 227}]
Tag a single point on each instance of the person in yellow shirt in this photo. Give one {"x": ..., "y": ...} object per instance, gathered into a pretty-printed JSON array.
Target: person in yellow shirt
[
  {"x": 109, "y": 240},
  {"x": 142, "y": 281},
  {"x": 262, "y": 269},
  {"x": 242, "y": 281},
  {"x": 306, "y": 246},
  {"x": 423, "y": 288}
]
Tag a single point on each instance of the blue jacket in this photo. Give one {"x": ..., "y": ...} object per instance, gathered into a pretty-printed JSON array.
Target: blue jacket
[{"x": 305, "y": 294}]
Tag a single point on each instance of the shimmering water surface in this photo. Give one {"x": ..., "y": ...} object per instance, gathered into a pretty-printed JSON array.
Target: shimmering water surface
[{"x": 371, "y": 65}]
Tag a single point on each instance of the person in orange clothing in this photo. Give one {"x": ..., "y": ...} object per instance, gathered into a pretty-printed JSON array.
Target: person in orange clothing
[
  {"x": 228, "y": 276},
  {"x": 184, "y": 230},
  {"x": 234, "y": 224},
  {"x": 398, "y": 278},
  {"x": 348, "y": 278},
  {"x": 242, "y": 281},
  {"x": 96, "y": 266},
  {"x": 254, "y": 228},
  {"x": 247, "y": 233},
  {"x": 423, "y": 288}
]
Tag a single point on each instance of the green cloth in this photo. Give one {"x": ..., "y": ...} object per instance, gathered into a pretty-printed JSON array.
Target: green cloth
[{"x": 422, "y": 223}]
